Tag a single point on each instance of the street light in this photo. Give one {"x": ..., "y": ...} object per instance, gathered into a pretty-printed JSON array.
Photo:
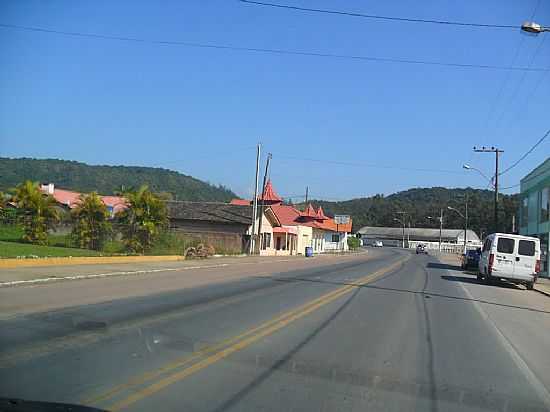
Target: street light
[
  {"x": 440, "y": 226},
  {"x": 465, "y": 221},
  {"x": 403, "y": 223},
  {"x": 468, "y": 167},
  {"x": 532, "y": 27}
]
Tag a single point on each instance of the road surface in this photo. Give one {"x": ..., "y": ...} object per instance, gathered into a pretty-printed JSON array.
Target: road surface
[{"x": 384, "y": 331}]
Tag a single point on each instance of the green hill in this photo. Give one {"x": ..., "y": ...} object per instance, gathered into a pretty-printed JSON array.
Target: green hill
[
  {"x": 420, "y": 203},
  {"x": 107, "y": 179}
]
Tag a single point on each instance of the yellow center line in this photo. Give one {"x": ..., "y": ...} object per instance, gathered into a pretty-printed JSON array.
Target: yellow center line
[{"x": 231, "y": 345}]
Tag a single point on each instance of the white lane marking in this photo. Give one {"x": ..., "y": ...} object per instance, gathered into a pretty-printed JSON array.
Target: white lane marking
[
  {"x": 538, "y": 386},
  {"x": 104, "y": 275},
  {"x": 131, "y": 272}
]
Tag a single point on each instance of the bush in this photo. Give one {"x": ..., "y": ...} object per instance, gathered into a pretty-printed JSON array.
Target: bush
[{"x": 353, "y": 243}]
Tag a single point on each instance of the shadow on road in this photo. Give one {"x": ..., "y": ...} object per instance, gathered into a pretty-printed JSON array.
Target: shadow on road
[
  {"x": 434, "y": 265},
  {"x": 418, "y": 292},
  {"x": 474, "y": 281},
  {"x": 236, "y": 398}
]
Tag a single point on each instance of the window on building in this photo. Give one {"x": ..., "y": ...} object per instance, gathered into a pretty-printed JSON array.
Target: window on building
[
  {"x": 545, "y": 204},
  {"x": 526, "y": 248},
  {"x": 336, "y": 238},
  {"x": 505, "y": 245},
  {"x": 266, "y": 241},
  {"x": 524, "y": 211}
]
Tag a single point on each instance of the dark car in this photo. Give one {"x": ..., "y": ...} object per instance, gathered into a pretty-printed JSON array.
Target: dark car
[
  {"x": 421, "y": 249},
  {"x": 471, "y": 259}
]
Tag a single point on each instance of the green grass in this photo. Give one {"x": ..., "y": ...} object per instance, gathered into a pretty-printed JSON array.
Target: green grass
[
  {"x": 14, "y": 249},
  {"x": 11, "y": 232}
]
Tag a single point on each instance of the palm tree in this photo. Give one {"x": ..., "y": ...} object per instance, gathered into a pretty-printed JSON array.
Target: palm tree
[
  {"x": 143, "y": 220},
  {"x": 91, "y": 227},
  {"x": 39, "y": 213}
]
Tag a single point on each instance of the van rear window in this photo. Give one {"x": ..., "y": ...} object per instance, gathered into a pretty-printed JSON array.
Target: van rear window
[
  {"x": 526, "y": 248},
  {"x": 505, "y": 245}
]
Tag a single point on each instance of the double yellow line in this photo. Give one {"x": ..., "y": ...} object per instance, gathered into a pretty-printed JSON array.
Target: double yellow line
[{"x": 212, "y": 354}]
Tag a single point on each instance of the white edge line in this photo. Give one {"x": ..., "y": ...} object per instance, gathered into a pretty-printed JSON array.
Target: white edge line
[
  {"x": 538, "y": 386},
  {"x": 104, "y": 275}
]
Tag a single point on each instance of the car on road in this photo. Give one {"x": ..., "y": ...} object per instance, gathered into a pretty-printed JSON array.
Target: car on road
[
  {"x": 514, "y": 258},
  {"x": 471, "y": 259},
  {"x": 378, "y": 243},
  {"x": 421, "y": 249}
]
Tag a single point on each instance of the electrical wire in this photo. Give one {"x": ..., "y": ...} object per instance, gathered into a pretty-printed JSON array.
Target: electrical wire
[
  {"x": 272, "y": 51},
  {"x": 526, "y": 153},
  {"x": 369, "y": 165},
  {"x": 519, "y": 83},
  {"x": 380, "y": 17},
  {"x": 505, "y": 82}
]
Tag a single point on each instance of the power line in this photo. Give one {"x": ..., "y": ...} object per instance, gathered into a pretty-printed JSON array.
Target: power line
[
  {"x": 358, "y": 164},
  {"x": 381, "y": 17},
  {"x": 273, "y": 51},
  {"x": 519, "y": 84},
  {"x": 507, "y": 77},
  {"x": 526, "y": 153}
]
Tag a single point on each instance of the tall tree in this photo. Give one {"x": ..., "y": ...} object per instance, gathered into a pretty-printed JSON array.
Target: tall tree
[
  {"x": 39, "y": 212},
  {"x": 91, "y": 226},
  {"x": 143, "y": 220}
]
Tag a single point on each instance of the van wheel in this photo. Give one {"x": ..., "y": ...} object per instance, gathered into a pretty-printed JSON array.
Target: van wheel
[{"x": 529, "y": 285}]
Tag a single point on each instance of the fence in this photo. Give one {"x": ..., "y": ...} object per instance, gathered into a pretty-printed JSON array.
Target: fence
[{"x": 446, "y": 247}]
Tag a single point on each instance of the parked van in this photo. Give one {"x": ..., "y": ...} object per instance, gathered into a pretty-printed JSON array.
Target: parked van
[{"x": 512, "y": 257}]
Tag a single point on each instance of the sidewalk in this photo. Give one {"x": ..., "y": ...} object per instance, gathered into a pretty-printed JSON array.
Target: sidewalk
[{"x": 543, "y": 286}]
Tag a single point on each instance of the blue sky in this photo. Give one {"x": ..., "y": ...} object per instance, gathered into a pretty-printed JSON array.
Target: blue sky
[{"x": 201, "y": 111}]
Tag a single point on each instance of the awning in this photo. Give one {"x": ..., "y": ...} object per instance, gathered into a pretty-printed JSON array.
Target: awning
[{"x": 285, "y": 229}]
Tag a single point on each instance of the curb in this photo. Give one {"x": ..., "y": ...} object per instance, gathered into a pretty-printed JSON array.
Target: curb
[
  {"x": 103, "y": 275},
  {"x": 541, "y": 291},
  {"x": 92, "y": 260}
]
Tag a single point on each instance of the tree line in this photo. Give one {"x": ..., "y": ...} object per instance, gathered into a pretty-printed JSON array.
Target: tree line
[
  {"x": 139, "y": 225},
  {"x": 420, "y": 204},
  {"x": 107, "y": 180}
]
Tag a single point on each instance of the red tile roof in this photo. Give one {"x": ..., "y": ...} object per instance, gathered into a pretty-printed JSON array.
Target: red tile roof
[
  {"x": 287, "y": 215},
  {"x": 241, "y": 202},
  {"x": 71, "y": 199},
  {"x": 309, "y": 212},
  {"x": 320, "y": 214},
  {"x": 269, "y": 195}
]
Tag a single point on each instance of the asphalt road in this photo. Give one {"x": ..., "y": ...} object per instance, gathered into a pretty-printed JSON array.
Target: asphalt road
[{"x": 388, "y": 331}]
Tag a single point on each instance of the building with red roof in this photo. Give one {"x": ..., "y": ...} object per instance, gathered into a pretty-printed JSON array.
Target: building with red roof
[
  {"x": 311, "y": 227},
  {"x": 70, "y": 199}
]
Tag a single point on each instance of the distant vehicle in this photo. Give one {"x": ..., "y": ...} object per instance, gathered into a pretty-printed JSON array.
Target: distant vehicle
[
  {"x": 514, "y": 258},
  {"x": 471, "y": 259},
  {"x": 421, "y": 249},
  {"x": 378, "y": 243}
]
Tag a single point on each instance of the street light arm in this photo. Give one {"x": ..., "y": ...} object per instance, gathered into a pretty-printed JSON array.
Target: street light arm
[{"x": 457, "y": 211}]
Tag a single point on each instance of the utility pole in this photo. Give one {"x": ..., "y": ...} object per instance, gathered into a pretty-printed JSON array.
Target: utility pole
[
  {"x": 440, "y": 228},
  {"x": 255, "y": 204},
  {"x": 409, "y": 234},
  {"x": 513, "y": 223},
  {"x": 262, "y": 199},
  {"x": 497, "y": 152},
  {"x": 466, "y": 223},
  {"x": 307, "y": 192}
]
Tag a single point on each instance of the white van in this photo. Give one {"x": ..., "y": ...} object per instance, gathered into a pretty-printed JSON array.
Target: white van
[{"x": 512, "y": 257}]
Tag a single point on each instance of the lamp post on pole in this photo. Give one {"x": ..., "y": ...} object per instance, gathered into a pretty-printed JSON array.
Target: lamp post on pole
[
  {"x": 403, "y": 223},
  {"x": 465, "y": 222},
  {"x": 440, "y": 218},
  {"x": 532, "y": 27}
]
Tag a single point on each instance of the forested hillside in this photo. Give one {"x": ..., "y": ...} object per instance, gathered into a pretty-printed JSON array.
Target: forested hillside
[
  {"x": 420, "y": 203},
  {"x": 107, "y": 179}
]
